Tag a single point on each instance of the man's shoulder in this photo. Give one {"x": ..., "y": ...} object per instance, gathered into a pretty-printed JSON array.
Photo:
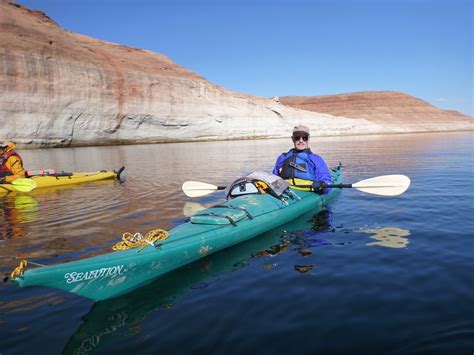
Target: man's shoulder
[
  {"x": 290, "y": 152},
  {"x": 311, "y": 154},
  {"x": 316, "y": 157}
]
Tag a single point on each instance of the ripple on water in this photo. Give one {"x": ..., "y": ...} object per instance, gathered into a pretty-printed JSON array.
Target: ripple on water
[{"x": 361, "y": 292}]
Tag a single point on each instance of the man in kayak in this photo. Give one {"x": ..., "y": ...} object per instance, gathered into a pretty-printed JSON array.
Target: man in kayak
[
  {"x": 11, "y": 164},
  {"x": 300, "y": 166}
]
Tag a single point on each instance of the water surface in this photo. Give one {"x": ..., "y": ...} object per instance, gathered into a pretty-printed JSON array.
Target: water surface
[{"x": 385, "y": 275}]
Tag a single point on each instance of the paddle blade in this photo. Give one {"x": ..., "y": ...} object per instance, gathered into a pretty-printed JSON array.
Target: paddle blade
[
  {"x": 385, "y": 185},
  {"x": 24, "y": 185},
  {"x": 196, "y": 188}
]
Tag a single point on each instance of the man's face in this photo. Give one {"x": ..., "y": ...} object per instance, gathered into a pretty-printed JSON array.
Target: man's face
[{"x": 301, "y": 140}]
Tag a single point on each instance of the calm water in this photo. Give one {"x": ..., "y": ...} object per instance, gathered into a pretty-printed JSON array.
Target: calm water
[{"x": 383, "y": 275}]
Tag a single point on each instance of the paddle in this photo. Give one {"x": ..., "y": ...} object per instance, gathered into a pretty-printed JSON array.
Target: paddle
[
  {"x": 385, "y": 185},
  {"x": 196, "y": 188},
  {"x": 24, "y": 184}
]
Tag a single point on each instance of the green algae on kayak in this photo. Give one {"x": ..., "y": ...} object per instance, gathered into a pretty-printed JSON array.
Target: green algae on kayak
[{"x": 213, "y": 229}]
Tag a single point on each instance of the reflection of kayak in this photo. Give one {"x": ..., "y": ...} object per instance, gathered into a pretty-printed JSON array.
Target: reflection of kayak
[
  {"x": 62, "y": 179},
  {"x": 109, "y": 320},
  {"x": 209, "y": 231}
]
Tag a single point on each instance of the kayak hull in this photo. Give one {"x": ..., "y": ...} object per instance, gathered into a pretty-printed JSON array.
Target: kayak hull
[
  {"x": 207, "y": 232},
  {"x": 66, "y": 179}
]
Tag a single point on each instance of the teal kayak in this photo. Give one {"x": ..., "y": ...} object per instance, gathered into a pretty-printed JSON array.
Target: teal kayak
[{"x": 239, "y": 219}]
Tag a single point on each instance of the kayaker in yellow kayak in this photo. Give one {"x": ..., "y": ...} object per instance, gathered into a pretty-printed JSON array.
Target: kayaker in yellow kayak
[
  {"x": 301, "y": 167},
  {"x": 11, "y": 164}
]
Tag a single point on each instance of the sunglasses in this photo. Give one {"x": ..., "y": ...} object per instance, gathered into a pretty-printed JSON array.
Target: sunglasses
[{"x": 297, "y": 137}]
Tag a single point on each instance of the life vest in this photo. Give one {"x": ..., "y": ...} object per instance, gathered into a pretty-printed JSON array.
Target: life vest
[
  {"x": 297, "y": 164},
  {"x": 4, "y": 171}
]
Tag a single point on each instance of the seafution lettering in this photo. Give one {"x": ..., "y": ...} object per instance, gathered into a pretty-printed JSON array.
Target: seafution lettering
[{"x": 72, "y": 277}]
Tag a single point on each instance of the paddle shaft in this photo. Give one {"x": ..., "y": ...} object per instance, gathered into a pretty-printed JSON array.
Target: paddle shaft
[
  {"x": 337, "y": 186},
  {"x": 332, "y": 186},
  {"x": 383, "y": 190},
  {"x": 327, "y": 186},
  {"x": 386, "y": 185}
]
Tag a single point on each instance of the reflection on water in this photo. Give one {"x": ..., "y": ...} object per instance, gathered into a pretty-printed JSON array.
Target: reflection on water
[
  {"x": 15, "y": 212},
  {"x": 30, "y": 303},
  {"x": 108, "y": 320},
  {"x": 84, "y": 220},
  {"x": 117, "y": 318},
  {"x": 27, "y": 207},
  {"x": 388, "y": 237},
  {"x": 191, "y": 208},
  {"x": 319, "y": 257}
]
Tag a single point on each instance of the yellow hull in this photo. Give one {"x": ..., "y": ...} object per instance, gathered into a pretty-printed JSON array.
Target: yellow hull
[{"x": 73, "y": 178}]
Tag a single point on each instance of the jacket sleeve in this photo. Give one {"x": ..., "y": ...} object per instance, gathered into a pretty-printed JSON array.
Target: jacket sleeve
[
  {"x": 322, "y": 172},
  {"x": 278, "y": 164},
  {"x": 15, "y": 165}
]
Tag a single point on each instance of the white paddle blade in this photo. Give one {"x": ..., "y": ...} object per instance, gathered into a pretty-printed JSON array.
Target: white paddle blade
[
  {"x": 196, "y": 188},
  {"x": 385, "y": 185}
]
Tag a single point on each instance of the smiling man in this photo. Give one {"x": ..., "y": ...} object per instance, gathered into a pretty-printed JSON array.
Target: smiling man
[{"x": 301, "y": 167}]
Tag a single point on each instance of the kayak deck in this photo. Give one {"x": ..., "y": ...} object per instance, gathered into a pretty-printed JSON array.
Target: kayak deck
[
  {"x": 208, "y": 231},
  {"x": 63, "y": 179}
]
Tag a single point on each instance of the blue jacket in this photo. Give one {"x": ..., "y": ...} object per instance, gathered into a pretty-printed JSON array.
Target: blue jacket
[{"x": 315, "y": 167}]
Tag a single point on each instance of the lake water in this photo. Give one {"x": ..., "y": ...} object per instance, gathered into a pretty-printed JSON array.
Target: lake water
[{"x": 384, "y": 275}]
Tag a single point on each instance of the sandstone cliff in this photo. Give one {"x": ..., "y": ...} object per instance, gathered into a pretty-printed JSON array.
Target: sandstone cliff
[
  {"x": 58, "y": 88},
  {"x": 393, "y": 110}
]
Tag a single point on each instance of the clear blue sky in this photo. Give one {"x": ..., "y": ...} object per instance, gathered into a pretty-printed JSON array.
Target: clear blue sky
[{"x": 296, "y": 47}]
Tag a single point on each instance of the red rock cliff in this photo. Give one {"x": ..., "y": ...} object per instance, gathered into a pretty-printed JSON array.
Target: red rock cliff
[
  {"x": 58, "y": 88},
  {"x": 388, "y": 108}
]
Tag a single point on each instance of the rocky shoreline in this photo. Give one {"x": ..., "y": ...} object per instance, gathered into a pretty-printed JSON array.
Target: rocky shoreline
[{"x": 61, "y": 89}]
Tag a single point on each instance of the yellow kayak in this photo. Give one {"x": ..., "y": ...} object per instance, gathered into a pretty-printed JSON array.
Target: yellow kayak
[{"x": 59, "y": 179}]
